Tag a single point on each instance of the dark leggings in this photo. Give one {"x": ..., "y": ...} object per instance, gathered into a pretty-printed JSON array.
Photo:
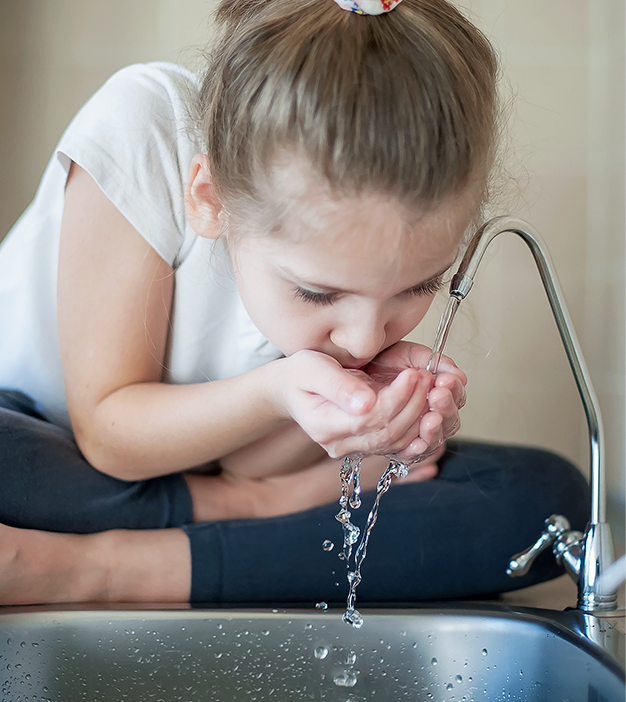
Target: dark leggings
[{"x": 450, "y": 537}]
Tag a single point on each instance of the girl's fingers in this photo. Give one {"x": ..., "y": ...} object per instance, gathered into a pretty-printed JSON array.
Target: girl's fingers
[
  {"x": 392, "y": 433},
  {"x": 348, "y": 412},
  {"x": 454, "y": 385},
  {"x": 341, "y": 432},
  {"x": 447, "y": 365},
  {"x": 431, "y": 429},
  {"x": 320, "y": 375},
  {"x": 440, "y": 400}
]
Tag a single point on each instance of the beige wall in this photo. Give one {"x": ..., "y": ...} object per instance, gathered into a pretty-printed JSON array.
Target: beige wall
[
  {"x": 54, "y": 55},
  {"x": 564, "y": 78},
  {"x": 564, "y": 65}
]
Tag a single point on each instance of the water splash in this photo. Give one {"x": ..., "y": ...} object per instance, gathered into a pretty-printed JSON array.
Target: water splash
[{"x": 349, "y": 474}]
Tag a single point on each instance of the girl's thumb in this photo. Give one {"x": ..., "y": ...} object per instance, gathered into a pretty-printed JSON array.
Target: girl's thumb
[{"x": 351, "y": 391}]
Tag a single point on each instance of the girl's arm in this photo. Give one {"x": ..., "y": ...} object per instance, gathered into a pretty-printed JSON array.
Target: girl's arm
[{"x": 114, "y": 300}]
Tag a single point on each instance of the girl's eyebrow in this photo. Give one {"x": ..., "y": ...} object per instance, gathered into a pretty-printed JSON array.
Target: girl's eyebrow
[{"x": 341, "y": 291}]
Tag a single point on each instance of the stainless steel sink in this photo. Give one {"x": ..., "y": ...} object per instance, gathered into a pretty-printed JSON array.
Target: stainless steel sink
[{"x": 451, "y": 652}]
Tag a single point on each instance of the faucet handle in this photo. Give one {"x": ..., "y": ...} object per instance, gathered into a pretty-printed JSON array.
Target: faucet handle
[{"x": 554, "y": 526}]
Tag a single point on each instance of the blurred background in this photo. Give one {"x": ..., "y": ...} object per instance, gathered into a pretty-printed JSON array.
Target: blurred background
[{"x": 563, "y": 82}]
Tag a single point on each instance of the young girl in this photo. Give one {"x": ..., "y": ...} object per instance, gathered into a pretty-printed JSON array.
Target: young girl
[{"x": 193, "y": 301}]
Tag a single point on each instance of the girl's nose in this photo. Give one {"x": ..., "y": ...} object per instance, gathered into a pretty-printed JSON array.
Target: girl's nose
[{"x": 363, "y": 337}]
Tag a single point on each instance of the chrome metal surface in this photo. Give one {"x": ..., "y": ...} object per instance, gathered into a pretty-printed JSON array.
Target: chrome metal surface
[
  {"x": 555, "y": 526},
  {"x": 588, "y": 558},
  {"x": 465, "y": 652}
]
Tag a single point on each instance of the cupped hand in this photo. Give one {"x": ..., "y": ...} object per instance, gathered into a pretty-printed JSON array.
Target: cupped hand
[
  {"x": 440, "y": 420},
  {"x": 350, "y": 411}
]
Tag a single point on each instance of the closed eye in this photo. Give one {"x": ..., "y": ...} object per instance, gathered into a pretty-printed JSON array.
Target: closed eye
[
  {"x": 317, "y": 298},
  {"x": 430, "y": 287}
]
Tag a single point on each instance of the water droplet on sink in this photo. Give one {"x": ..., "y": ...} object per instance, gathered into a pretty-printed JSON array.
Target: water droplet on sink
[
  {"x": 328, "y": 545},
  {"x": 434, "y": 661},
  {"x": 485, "y": 651},
  {"x": 351, "y": 658},
  {"x": 459, "y": 679},
  {"x": 449, "y": 687},
  {"x": 347, "y": 678},
  {"x": 320, "y": 652}
]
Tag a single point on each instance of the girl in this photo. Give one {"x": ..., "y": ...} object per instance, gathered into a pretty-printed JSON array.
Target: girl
[{"x": 195, "y": 300}]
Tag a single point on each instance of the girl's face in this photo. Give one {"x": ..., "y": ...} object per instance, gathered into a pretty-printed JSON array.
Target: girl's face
[{"x": 349, "y": 280}]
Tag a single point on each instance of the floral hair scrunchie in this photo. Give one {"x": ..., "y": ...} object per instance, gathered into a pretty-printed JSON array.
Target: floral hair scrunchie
[{"x": 368, "y": 7}]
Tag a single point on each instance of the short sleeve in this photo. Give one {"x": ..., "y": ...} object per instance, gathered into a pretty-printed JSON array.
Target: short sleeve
[{"x": 134, "y": 138}]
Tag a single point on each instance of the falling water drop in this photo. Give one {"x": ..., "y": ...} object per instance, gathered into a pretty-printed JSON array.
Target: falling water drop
[
  {"x": 328, "y": 545},
  {"x": 322, "y": 606}
]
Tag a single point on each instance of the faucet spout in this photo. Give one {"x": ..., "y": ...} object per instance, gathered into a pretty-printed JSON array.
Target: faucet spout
[{"x": 596, "y": 544}]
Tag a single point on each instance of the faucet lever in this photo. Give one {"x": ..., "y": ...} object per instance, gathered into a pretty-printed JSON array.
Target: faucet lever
[{"x": 554, "y": 527}]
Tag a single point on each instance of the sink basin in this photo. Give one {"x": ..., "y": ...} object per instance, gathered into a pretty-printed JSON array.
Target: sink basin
[{"x": 443, "y": 652}]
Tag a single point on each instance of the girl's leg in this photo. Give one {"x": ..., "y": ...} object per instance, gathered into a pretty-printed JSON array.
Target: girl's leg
[
  {"x": 114, "y": 566},
  {"x": 47, "y": 483},
  {"x": 451, "y": 537}
]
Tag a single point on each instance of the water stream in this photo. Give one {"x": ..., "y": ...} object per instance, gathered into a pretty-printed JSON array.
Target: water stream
[{"x": 350, "y": 497}]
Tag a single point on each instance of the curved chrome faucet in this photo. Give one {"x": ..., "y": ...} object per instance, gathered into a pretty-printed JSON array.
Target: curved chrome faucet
[{"x": 585, "y": 556}]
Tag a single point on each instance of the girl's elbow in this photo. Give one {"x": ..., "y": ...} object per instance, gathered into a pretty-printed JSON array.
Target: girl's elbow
[{"x": 106, "y": 461}]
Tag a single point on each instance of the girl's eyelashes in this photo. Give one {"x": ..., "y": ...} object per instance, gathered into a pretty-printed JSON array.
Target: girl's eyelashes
[
  {"x": 430, "y": 287},
  {"x": 317, "y": 298}
]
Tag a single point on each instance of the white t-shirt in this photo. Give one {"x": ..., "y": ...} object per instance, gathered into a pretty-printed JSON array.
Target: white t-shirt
[{"x": 133, "y": 137}]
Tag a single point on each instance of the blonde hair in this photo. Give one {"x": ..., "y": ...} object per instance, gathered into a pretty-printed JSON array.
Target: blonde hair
[{"x": 403, "y": 104}]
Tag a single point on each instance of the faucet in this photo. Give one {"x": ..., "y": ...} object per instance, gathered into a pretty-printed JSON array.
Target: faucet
[{"x": 585, "y": 556}]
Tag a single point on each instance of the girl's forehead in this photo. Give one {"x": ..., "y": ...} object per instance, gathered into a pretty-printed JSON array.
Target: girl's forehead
[
  {"x": 305, "y": 207},
  {"x": 367, "y": 226}
]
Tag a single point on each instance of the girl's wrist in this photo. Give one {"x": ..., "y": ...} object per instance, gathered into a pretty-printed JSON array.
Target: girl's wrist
[{"x": 273, "y": 387}]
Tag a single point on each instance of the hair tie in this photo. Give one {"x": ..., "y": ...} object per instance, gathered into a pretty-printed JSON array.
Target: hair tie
[{"x": 368, "y": 7}]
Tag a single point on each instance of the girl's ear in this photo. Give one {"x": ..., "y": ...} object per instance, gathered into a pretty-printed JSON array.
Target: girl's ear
[{"x": 202, "y": 205}]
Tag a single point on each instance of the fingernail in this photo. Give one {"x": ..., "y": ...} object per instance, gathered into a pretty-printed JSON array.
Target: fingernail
[{"x": 358, "y": 400}]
